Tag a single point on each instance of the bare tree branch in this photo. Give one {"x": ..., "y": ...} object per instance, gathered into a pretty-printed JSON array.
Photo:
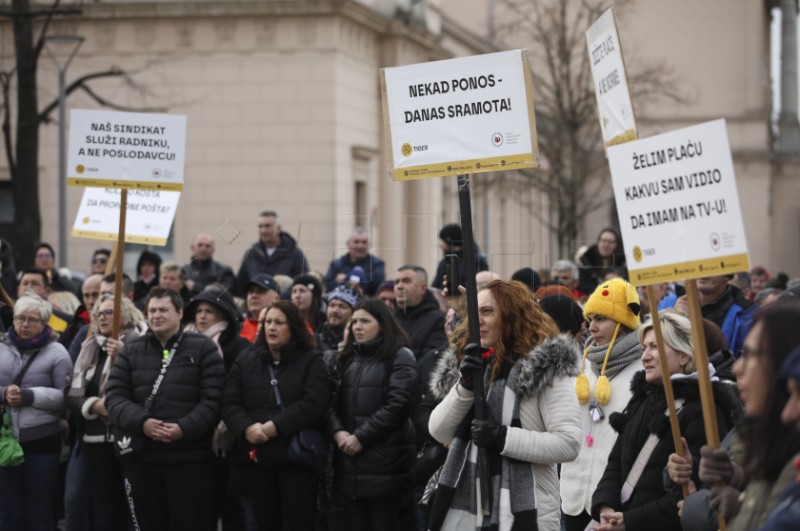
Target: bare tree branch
[{"x": 5, "y": 81}]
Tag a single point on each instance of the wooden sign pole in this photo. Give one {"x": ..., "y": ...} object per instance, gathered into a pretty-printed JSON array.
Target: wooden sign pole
[
  {"x": 111, "y": 265},
  {"x": 123, "y": 209},
  {"x": 653, "y": 300},
  {"x": 704, "y": 376}
]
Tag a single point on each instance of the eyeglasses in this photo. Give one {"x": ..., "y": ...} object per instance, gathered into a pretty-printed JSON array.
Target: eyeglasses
[
  {"x": 44, "y": 255},
  {"x": 27, "y": 320},
  {"x": 105, "y": 313},
  {"x": 100, "y": 260}
]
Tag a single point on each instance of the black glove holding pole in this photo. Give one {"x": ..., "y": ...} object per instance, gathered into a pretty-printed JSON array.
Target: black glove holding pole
[
  {"x": 488, "y": 434},
  {"x": 472, "y": 362}
]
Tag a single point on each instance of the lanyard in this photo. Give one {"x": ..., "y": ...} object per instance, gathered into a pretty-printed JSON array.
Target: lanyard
[{"x": 168, "y": 355}]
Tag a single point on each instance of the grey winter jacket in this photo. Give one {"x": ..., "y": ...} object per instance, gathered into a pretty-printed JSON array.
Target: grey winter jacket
[{"x": 43, "y": 388}]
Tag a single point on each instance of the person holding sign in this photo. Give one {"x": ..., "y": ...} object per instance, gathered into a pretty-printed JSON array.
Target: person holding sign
[
  {"x": 631, "y": 493},
  {"x": 532, "y": 419},
  {"x": 86, "y": 399},
  {"x": 610, "y": 361}
]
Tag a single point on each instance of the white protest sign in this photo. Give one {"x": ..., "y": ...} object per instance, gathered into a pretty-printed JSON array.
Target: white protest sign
[
  {"x": 678, "y": 205},
  {"x": 610, "y": 82},
  {"x": 148, "y": 218},
  {"x": 465, "y": 115},
  {"x": 126, "y": 150}
]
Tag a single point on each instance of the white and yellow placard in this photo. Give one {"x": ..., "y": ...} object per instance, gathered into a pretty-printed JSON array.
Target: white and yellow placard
[
  {"x": 138, "y": 151},
  {"x": 678, "y": 205},
  {"x": 465, "y": 115},
  {"x": 617, "y": 120},
  {"x": 148, "y": 218}
]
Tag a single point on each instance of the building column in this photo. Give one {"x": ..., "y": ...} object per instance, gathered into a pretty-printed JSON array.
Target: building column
[{"x": 788, "y": 125}]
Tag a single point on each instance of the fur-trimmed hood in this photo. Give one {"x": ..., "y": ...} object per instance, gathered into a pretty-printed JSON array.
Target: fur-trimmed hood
[
  {"x": 555, "y": 357},
  {"x": 652, "y": 398}
]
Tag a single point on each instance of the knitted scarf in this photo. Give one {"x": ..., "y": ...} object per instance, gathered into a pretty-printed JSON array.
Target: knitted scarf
[
  {"x": 213, "y": 332},
  {"x": 513, "y": 484},
  {"x": 86, "y": 364},
  {"x": 625, "y": 351},
  {"x": 36, "y": 342}
]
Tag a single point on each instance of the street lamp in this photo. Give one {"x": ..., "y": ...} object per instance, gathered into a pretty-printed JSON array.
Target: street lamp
[{"x": 68, "y": 46}]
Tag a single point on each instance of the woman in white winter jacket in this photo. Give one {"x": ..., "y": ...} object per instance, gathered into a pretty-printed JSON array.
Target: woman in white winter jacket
[
  {"x": 532, "y": 417},
  {"x": 610, "y": 360}
]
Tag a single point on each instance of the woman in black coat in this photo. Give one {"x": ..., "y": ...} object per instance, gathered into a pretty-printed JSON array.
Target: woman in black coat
[
  {"x": 370, "y": 418},
  {"x": 280, "y": 491},
  {"x": 213, "y": 313},
  {"x": 648, "y": 505}
]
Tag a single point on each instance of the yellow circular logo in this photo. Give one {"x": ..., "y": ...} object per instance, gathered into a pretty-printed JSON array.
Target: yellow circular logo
[
  {"x": 86, "y": 220},
  {"x": 80, "y": 168},
  {"x": 406, "y": 150},
  {"x": 637, "y": 253}
]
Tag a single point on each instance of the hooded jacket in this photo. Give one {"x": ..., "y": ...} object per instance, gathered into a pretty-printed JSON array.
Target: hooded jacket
[
  {"x": 549, "y": 415},
  {"x": 287, "y": 260},
  {"x": 651, "y": 506},
  {"x": 229, "y": 340},
  {"x": 733, "y": 313}
]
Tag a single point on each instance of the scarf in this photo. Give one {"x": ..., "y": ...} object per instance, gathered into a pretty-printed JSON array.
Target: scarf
[
  {"x": 512, "y": 483},
  {"x": 36, "y": 342},
  {"x": 625, "y": 351},
  {"x": 213, "y": 333},
  {"x": 86, "y": 364}
]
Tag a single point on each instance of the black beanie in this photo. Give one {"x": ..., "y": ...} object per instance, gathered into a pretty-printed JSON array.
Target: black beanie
[{"x": 564, "y": 311}]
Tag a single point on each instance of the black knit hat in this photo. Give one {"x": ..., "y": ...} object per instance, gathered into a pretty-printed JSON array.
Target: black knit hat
[
  {"x": 564, "y": 311},
  {"x": 529, "y": 277},
  {"x": 451, "y": 235},
  {"x": 311, "y": 282}
]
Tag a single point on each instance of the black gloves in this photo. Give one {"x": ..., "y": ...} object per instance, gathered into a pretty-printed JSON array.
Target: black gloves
[
  {"x": 473, "y": 361},
  {"x": 487, "y": 434}
]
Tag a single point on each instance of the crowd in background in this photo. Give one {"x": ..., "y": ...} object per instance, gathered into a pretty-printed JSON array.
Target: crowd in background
[{"x": 275, "y": 397}]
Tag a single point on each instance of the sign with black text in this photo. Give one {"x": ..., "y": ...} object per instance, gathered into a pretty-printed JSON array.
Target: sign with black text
[
  {"x": 464, "y": 115},
  {"x": 678, "y": 205},
  {"x": 614, "y": 106},
  {"x": 148, "y": 218},
  {"x": 138, "y": 151}
]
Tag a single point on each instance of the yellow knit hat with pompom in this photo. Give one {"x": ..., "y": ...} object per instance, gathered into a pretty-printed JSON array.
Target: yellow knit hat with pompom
[{"x": 617, "y": 300}]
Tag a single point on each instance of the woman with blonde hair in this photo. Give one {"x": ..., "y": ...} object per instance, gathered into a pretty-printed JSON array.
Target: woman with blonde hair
[
  {"x": 532, "y": 420},
  {"x": 631, "y": 493},
  {"x": 86, "y": 399},
  {"x": 609, "y": 363}
]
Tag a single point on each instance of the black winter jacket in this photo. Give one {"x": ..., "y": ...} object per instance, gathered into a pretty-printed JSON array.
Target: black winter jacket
[
  {"x": 305, "y": 390},
  {"x": 651, "y": 507},
  {"x": 287, "y": 259},
  {"x": 424, "y": 323},
  {"x": 374, "y": 401},
  {"x": 189, "y": 395}
]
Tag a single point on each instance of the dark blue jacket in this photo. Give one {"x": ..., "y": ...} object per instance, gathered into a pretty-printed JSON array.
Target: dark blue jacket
[{"x": 372, "y": 265}]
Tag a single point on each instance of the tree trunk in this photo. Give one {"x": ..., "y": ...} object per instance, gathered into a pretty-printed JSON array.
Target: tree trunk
[{"x": 25, "y": 182}]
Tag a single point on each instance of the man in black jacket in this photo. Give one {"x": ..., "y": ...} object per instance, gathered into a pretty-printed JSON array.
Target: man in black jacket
[
  {"x": 203, "y": 269},
  {"x": 275, "y": 253},
  {"x": 169, "y": 484},
  {"x": 417, "y": 311}
]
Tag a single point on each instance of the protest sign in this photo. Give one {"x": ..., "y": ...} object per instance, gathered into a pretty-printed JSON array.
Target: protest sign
[
  {"x": 678, "y": 205},
  {"x": 126, "y": 150},
  {"x": 149, "y": 215},
  {"x": 465, "y": 115},
  {"x": 614, "y": 106}
]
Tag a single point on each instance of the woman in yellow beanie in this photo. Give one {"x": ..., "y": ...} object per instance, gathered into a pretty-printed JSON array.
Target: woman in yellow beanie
[{"x": 603, "y": 387}]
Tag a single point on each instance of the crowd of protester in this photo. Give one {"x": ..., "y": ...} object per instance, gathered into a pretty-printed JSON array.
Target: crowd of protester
[{"x": 275, "y": 397}]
